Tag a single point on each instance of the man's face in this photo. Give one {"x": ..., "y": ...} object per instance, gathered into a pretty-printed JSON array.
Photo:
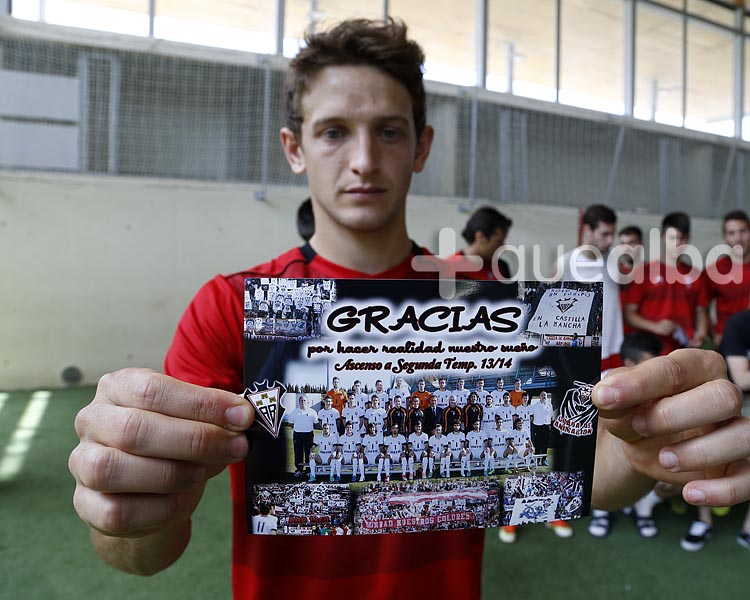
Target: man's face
[
  {"x": 394, "y": 430},
  {"x": 379, "y": 385},
  {"x": 672, "y": 239},
  {"x": 488, "y": 400},
  {"x": 517, "y": 385},
  {"x": 499, "y": 384},
  {"x": 460, "y": 384},
  {"x": 349, "y": 429},
  {"x": 452, "y": 401},
  {"x": 352, "y": 400},
  {"x": 335, "y": 383},
  {"x": 415, "y": 402},
  {"x": 737, "y": 232},
  {"x": 329, "y": 403},
  {"x": 480, "y": 384},
  {"x": 433, "y": 401},
  {"x": 358, "y": 147},
  {"x": 438, "y": 430},
  {"x": 397, "y": 401},
  {"x": 476, "y": 425},
  {"x": 486, "y": 246},
  {"x": 456, "y": 426},
  {"x": 326, "y": 428},
  {"x": 442, "y": 383},
  {"x": 601, "y": 237},
  {"x": 303, "y": 403},
  {"x": 418, "y": 428},
  {"x": 420, "y": 385}
]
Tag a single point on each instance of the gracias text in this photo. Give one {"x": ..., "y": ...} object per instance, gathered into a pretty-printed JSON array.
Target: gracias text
[{"x": 435, "y": 319}]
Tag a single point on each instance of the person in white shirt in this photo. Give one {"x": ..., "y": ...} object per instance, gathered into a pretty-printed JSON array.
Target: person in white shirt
[
  {"x": 442, "y": 393},
  {"x": 541, "y": 419},
  {"x": 375, "y": 415},
  {"x": 489, "y": 454},
  {"x": 498, "y": 434},
  {"x": 522, "y": 442},
  {"x": 371, "y": 443},
  {"x": 461, "y": 393},
  {"x": 265, "y": 523},
  {"x": 408, "y": 462},
  {"x": 445, "y": 461},
  {"x": 303, "y": 419},
  {"x": 418, "y": 440},
  {"x": 351, "y": 447},
  {"x": 395, "y": 443},
  {"x": 381, "y": 393},
  {"x": 336, "y": 459},
  {"x": 359, "y": 395},
  {"x": 488, "y": 414},
  {"x": 476, "y": 438},
  {"x": 506, "y": 412},
  {"x": 428, "y": 461},
  {"x": 384, "y": 462},
  {"x": 401, "y": 388},
  {"x": 456, "y": 440},
  {"x": 325, "y": 443},
  {"x": 499, "y": 388},
  {"x": 480, "y": 391},
  {"x": 464, "y": 457},
  {"x": 438, "y": 441},
  {"x": 523, "y": 412},
  {"x": 329, "y": 414},
  {"x": 352, "y": 412}
]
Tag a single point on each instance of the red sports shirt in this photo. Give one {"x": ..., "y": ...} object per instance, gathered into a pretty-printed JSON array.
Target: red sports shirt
[
  {"x": 657, "y": 299},
  {"x": 730, "y": 297},
  {"x": 208, "y": 350}
]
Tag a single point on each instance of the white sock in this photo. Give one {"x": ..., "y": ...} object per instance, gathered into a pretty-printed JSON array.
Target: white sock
[
  {"x": 312, "y": 467},
  {"x": 403, "y": 466},
  {"x": 411, "y": 466},
  {"x": 645, "y": 506}
]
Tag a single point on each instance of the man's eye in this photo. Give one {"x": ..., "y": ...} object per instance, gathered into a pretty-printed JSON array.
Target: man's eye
[
  {"x": 333, "y": 134},
  {"x": 391, "y": 134}
]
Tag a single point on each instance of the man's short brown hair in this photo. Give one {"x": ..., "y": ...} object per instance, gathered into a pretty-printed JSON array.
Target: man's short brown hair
[{"x": 378, "y": 44}]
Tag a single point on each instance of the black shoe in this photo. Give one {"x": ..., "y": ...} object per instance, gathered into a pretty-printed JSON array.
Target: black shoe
[
  {"x": 600, "y": 524},
  {"x": 696, "y": 537}
]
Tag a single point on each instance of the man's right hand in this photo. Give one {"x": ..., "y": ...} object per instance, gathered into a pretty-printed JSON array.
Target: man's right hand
[{"x": 148, "y": 444}]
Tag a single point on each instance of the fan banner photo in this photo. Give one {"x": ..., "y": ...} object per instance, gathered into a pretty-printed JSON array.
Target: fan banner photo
[{"x": 382, "y": 407}]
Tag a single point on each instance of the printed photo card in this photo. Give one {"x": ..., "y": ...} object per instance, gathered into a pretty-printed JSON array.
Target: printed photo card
[{"x": 381, "y": 407}]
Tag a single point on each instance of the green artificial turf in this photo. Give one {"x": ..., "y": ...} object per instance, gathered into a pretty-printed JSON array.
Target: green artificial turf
[{"x": 45, "y": 552}]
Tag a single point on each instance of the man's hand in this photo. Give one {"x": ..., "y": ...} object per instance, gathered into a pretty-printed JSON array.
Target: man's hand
[
  {"x": 148, "y": 445},
  {"x": 663, "y": 327},
  {"x": 673, "y": 419}
]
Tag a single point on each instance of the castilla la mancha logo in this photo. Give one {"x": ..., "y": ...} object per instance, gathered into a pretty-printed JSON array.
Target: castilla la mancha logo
[
  {"x": 565, "y": 304},
  {"x": 577, "y": 412}
]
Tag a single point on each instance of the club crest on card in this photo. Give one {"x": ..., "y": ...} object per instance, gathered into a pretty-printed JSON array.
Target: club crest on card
[{"x": 267, "y": 404}]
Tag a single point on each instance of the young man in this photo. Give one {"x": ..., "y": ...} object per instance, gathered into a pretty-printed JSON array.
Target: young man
[
  {"x": 421, "y": 394},
  {"x": 452, "y": 415},
  {"x": 338, "y": 396},
  {"x": 588, "y": 263},
  {"x": 433, "y": 416},
  {"x": 353, "y": 413},
  {"x": 473, "y": 411},
  {"x": 303, "y": 420},
  {"x": 353, "y": 454},
  {"x": 397, "y": 415},
  {"x": 516, "y": 394},
  {"x": 357, "y": 129},
  {"x": 730, "y": 296},
  {"x": 485, "y": 232},
  {"x": 371, "y": 443},
  {"x": 456, "y": 440},
  {"x": 375, "y": 415},
  {"x": 488, "y": 414},
  {"x": 324, "y": 442},
  {"x": 330, "y": 415},
  {"x": 443, "y": 394},
  {"x": 541, "y": 420},
  {"x": 668, "y": 299},
  {"x": 414, "y": 415},
  {"x": 395, "y": 444},
  {"x": 419, "y": 440},
  {"x": 476, "y": 438},
  {"x": 461, "y": 393}
]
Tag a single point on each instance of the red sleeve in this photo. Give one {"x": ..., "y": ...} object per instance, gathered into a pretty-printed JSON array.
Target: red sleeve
[
  {"x": 636, "y": 290},
  {"x": 703, "y": 293},
  {"x": 207, "y": 348}
]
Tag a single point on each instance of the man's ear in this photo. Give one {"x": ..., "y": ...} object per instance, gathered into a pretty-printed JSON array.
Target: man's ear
[
  {"x": 424, "y": 143},
  {"x": 295, "y": 156}
]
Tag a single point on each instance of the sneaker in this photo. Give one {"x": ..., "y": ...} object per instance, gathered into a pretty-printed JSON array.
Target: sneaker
[
  {"x": 561, "y": 529},
  {"x": 696, "y": 537},
  {"x": 486, "y": 472},
  {"x": 361, "y": 477},
  {"x": 600, "y": 524},
  {"x": 387, "y": 477},
  {"x": 646, "y": 527},
  {"x": 331, "y": 478},
  {"x": 743, "y": 539},
  {"x": 312, "y": 479},
  {"x": 404, "y": 477},
  {"x": 507, "y": 534},
  {"x": 338, "y": 479}
]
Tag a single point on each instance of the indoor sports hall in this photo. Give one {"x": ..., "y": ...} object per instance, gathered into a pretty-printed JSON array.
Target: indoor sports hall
[{"x": 140, "y": 157}]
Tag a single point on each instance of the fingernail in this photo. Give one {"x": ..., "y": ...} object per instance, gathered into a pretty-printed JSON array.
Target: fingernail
[
  {"x": 695, "y": 496},
  {"x": 669, "y": 460},
  {"x": 606, "y": 396},
  {"x": 239, "y": 415},
  {"x": 238, "y": 446},
  {"x": 639, "y": 424},
  {"x": 199, "y": 473}
]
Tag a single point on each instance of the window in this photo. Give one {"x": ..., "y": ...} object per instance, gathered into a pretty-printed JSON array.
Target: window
[
  {"x": 521, "y": 48},
  {"x": 710, "y": 79},
  {"x": 117, "y": 16},
  {"x": 247, "y": 25},
  {"x": 658, "y": 65},
  {"x": 447, "y": 36},
  {"x": 298, "y": 14},
  {"x": 591, "y": 54}
]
